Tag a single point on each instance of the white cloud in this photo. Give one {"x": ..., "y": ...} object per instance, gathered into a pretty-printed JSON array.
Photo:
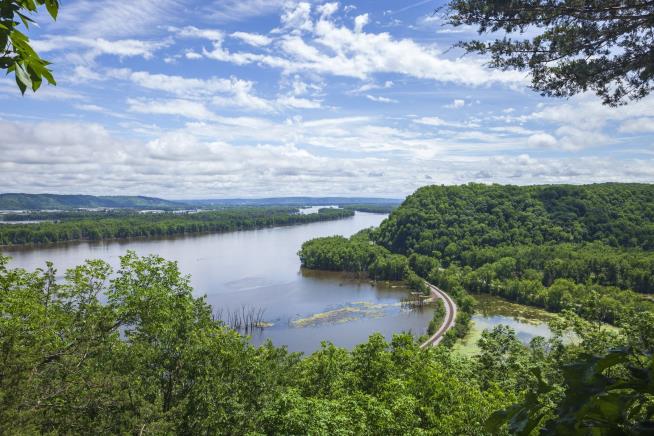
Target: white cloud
[
  {"x": 86, "y": 158},
  {"x": 257, "y": 156},
  {"x": 298, "y": 103},
  {"x": 432, "y": 121},
  {"x": 322, "y": 47},
  {"x": 589, "y": 112},
  {"x": 297, "y": 17},
  {"x": 213, "y": 91},
  {"x": 638, "y": 125},
  {"x": 457, "y": 103},
  {"x": 253, "y": 39},
  {"x": 101, "y": 46},
  {"x": 380, "y": 99},
  {"x": 327, "y": 9},
  {"x": 573, "y": 138},
  {"x": 239, "y": 10},
  {"x": 179, "y": 107},
  {"x": 516, "y": 130},
  {"x": 542, "y": 140},
  {"x": 219, "y": 91},
  {"x": 85, "y": 74},
  {"x": 107, "y": 19},
  {"x": 583, "y": 120},
  {"x": 288, "y": 128},
  {"x": 192, "y": 55},
  {"x": 186, "y": 87},
  {"x": 359, "y": 23},
  {"x": 194, "y": 32},
  {"x": 45, "y": 93},
  {"x": 370, "y": 86}
]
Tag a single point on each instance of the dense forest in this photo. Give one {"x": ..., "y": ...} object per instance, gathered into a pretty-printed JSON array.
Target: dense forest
[
  {"x": 133, "y": 352},
  {"x": 100, "y": 226},
  {"x": 581, "y": 248},
  {"x": 448, "y": 221},
  {"x": 583, "y": 251}
]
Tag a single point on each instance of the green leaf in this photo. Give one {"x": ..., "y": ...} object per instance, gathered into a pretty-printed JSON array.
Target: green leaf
[
  {"x": 21, "y": 85},
  {"x": 25, "y": 19},
  {"x": 35, "y": 76},
  {"x": 53, "y": 8}
]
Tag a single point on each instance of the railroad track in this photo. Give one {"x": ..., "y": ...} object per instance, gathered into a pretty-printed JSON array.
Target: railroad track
[{"x": 448, "y": 320}]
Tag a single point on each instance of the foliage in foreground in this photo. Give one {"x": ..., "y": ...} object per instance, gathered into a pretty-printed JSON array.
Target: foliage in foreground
[
  {"x": 568, "y": 46},
  {"x": 16, "y": 54},
  {"x": 135, "y": 352},
  {"x": 152, "y": 359}
]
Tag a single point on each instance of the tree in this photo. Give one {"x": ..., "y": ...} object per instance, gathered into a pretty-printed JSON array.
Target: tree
[
  {"x": 16, "y": 54},
  {"x": 604, "y": 46}
]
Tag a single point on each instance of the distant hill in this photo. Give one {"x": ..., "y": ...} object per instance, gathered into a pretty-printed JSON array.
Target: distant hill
[
  {"x": 54, "y": 201},
  {"x": 293, "y": 201}
]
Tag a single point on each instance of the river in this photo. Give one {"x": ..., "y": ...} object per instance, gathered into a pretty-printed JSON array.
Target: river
[{"x": 260, "y": 268}]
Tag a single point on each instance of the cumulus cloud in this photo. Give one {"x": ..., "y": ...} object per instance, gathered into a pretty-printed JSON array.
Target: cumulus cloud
[
  {"x": 359, "y": 23},
  {"x": 74, "y": 157},
  {"x": 542, "y": 140},
  {"x": 321, "y": 46},
  {"x": 638, "y": 125},
  {"x": 582, "y": 121},
  {"x": 457, "y": 103},
  {"x": 280, "y": 111},
  {"x": 328, "y": 9},
  {"x": 297, "y": 17},
  {"x": 214, "y": 91},
  {"x": 178, "y": 161},
  {"x": 179, "y": 107},
  {"x": 253, "y": 39}
]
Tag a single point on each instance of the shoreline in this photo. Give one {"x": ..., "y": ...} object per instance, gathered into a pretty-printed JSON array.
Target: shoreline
[{"x": 32, "y": 245}]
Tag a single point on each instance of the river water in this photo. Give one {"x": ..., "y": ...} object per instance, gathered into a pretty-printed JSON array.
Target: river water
[{"x": 261, "y": 269}]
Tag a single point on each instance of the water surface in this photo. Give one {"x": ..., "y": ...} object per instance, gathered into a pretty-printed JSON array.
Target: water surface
[
  {"x": 491, "y": 311},
  {"x": 261, "y": 268}
]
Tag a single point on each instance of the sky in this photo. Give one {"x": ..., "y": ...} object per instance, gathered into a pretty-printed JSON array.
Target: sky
[{"x": 190, "y": 99}]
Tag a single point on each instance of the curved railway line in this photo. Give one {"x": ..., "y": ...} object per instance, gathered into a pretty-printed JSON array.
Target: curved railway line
[{"x": 448, "y": 320}]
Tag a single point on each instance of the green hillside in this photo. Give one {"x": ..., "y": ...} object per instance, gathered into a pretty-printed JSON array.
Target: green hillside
[
  {"x": 586, "y": 252},
  {"x": 53, "y": 201},
  {"x": 447, "y": 221}
]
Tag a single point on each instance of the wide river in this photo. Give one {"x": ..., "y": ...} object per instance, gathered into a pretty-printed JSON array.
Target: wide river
[{"x": 261, "y": 269}]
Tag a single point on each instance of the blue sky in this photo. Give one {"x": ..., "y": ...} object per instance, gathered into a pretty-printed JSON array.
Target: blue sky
[{"x": 251, "y": 98}]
